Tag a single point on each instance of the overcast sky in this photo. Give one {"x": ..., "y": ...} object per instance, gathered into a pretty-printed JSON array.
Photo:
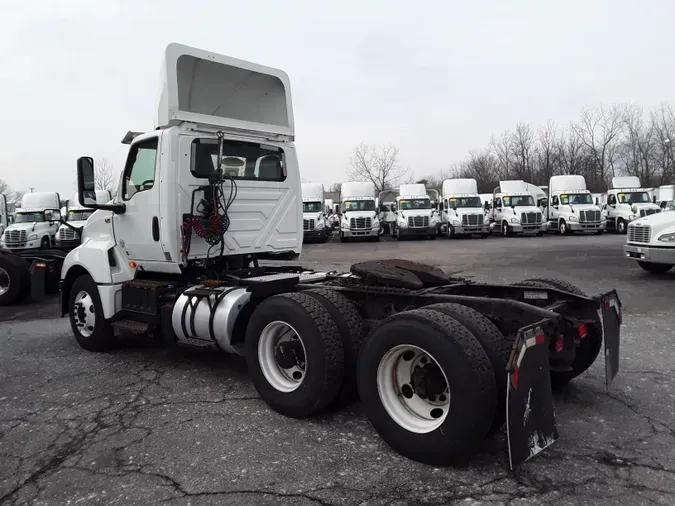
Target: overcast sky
[{"x": 435, "y": 78}]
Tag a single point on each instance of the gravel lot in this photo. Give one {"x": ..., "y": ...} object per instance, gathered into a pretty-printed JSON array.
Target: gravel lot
[{"x": 142, "y": 425}]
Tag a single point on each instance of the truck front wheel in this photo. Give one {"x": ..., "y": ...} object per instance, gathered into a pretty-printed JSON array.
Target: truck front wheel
[
  {"x": 14, "y": 279},
  {"x": 427, "y": 387},
  {"x": 294, "y": 354},
  {"x": 621, "y": 226},
  {"x": 90, "y": 328},
  {"x": 653, "y": 268}
]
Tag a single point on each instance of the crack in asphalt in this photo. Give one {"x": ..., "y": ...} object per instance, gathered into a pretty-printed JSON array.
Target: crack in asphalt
[{"x": 83, "y": 428}]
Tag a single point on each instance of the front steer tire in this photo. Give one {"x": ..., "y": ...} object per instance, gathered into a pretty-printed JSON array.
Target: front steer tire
[
  {"x": 352, "y": 333},
  {"x": 472, "y": 393},
  {"x": 496, "y": 347},
  {"x": 102, "y": 337},
  {"x": 653, "y": 268},
  {"x": 323, "y": 349}
]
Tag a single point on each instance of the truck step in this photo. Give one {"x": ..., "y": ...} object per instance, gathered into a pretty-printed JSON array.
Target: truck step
[{"x": 131, "y": 326}]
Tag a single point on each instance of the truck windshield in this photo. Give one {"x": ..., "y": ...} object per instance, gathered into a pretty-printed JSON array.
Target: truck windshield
[
  {"x": 79, "y": 215},
  {"x": 29, "y": 217},
  {"x": 414, "y": 204},
  {"x": 576, "y": 198},
  {"x": 311, "y": 207},
  {"x": 359, "y": 205},
  {"x": 518, "y": 200},
  {"x": 460, "y": 202},
  {"x": 634, "y": 198}
]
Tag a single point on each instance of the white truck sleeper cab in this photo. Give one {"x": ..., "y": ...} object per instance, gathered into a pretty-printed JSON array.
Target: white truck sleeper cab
[
  {"x": 36, "y": 223},
  {"x": 314, "y": 222},
  {"x": 627, "y": 201},
  {"x": 358, "y": 216},
  {"x": 463, "y": 210},
  {"x": 571, "y": 208},
  {"x": 514, "y": 209},
  {"x": 414, "y": 215},
  {"x": 651, "y": 241},
  {"x": 204, "y": 197}
]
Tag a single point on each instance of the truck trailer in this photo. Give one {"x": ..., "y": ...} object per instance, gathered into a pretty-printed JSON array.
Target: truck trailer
[{"x": 437, "y": 361}]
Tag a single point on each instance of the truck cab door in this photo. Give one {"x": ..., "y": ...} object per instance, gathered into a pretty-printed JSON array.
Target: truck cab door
[
  {"x": 555, "y": 206},
  {"x": 137, "y": 229}
]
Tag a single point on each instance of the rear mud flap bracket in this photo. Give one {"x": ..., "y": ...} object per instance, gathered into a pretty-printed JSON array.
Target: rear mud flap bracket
[{"x": 530, "y": 419}]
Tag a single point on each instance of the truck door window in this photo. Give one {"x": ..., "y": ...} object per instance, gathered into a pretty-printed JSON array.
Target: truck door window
[
  {"x": 139, "y": 174},
  {"x": 555, "y": 201},
  {"x": 611, "y": 200},
  {"x": 498, "y": 203}
]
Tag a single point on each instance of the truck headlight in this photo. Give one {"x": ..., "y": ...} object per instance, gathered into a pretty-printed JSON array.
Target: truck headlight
[
  {"x": 320, "y": 225},
  {"x": 632, "y": 217},
  {"x": 515, "y": 220},
  {"x": 434, "y": 219},
  {"x": 456, "y": 223},
  {"x": 345, "y": 225},
  {"x": 667, "y": 238},
  {"x": 32, "y": 237},
  {"x": 402, "y": 223},
  {"x": 573, "y": 218}
]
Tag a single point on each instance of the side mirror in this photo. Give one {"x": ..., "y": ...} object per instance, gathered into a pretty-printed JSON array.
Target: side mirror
[
  {"x": 49, "y": 215},
  {"x": 86, "y": 187}
]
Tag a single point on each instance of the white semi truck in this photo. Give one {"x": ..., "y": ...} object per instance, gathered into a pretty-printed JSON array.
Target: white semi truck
[
  {"x": 651, "y": 241},
  {"x": 75, "y": 215},
  {"x": 664, "y": 195},
  {"x": 627, "y": 201},
  {"x": 35, "y": 224},
  {"x": 331, "y": 217},
  {"x": 514, "y": 210},
  {"x": 414, "y": 215},
  {"x": 27, "y": 265},
  {"x": 404, "y": 336},
  {"x": 358, "y": 211},
  {"x": 463, "y": 211},
  {"x": 570, "y": 207},
  {"x": 314, "y": 224}
]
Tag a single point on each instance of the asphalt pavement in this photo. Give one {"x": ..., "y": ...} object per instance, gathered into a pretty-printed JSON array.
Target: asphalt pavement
[{"x": 144, "y": 425}]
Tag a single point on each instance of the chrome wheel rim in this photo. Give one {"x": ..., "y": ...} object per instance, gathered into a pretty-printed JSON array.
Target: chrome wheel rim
[
  {"x": 282, "y": 357},
  {"x": 84, "y": 313},
  {"x": 413, "y": 389},
  {"x": 5, "y": 281}
]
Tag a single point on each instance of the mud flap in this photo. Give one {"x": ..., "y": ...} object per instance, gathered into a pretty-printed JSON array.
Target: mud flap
[
  {"x": 610, "y": 312},
  {"x": 530, "y": 420},
  {"x": 38, "y": 280}
]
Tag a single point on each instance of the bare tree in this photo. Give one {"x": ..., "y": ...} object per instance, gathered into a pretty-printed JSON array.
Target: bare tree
[
  {"x": 502, "y": 148},
  {"x": 663, "y": 122},
  {"x": 548, "y": 153},
  {"x": 599, "y": 131},
  {"x": 335, "y": 187},
  {"x": 379, "y": 164},
  {"x": 11, "y": 196},
  {"x": 106, "y": 176},
  {"x": 522, "y": 147},
  {"x": 637, "y": 152}
]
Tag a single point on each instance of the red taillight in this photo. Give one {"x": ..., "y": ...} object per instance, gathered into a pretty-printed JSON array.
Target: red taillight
[
  {"x": 514, "y": 377},
  {"x": 581, "y": 330},
  {"x": 539, "y": 339},
  {"x": 559, "y": 344}
]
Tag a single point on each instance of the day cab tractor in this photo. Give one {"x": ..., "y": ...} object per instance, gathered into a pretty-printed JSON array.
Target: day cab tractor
[{"x": 182, "y": 254}]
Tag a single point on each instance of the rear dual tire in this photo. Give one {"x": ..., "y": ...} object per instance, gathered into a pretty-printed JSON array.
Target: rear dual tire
[
  {"x": 428, "y": 386},
  {"x": 14, "y": 279},
  {"x": 301, "y": 351}
]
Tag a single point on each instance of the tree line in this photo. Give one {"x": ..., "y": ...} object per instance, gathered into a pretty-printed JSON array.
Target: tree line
[{"x": 607, "y": 141}]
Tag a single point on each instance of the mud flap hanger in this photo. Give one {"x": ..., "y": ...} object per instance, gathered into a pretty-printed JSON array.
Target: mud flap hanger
[
  {"x": 611, "y": 316},
  {"x": 530, "y": 420}
]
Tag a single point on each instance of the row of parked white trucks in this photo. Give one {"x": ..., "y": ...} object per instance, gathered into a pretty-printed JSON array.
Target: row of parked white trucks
[
  {"x": 565, "y": 206},
  {"x": 437, "y": 361}
]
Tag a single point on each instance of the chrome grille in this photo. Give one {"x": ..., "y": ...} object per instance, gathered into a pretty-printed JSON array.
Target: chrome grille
[
  {"x": 67, "y": 234},
  {"x": 362, "y": 223},
  {"x": 639, "y": 233},
  {"x": 589, "y": 216},
  {"x": 418, "y": 221},
  {"x": 533, "y": 218},
  {"x": 308, "y": 224},
  {"x": 469, "y": 220},
  {"x": 15, "y": 236},
  {"x": 647, "y": 212}
]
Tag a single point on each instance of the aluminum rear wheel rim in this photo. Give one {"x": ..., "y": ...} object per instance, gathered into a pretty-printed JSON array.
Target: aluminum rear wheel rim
[
  {"x": 412, "y": 413},
  {"x": 282, "y": 379}
]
